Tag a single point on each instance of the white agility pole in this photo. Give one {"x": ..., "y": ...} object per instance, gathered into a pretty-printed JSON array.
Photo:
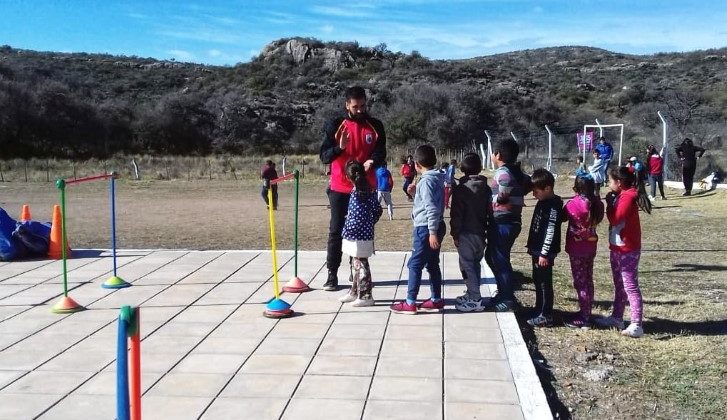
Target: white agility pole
[
  {"x": 491, "y": 164},
  {"x": 549, "y": 162},
  {"x": 621, "y": 138},
  {"x": 513, "y": 137},
  {"x": 664, "y": 144},
  {"x": 600, "y": 129}
]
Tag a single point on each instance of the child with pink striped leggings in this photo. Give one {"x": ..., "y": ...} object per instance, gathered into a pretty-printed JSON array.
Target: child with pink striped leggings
[{"x": 583, "y": 213}]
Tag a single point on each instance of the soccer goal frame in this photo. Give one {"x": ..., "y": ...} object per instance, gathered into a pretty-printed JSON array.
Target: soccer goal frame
[{"x": 600, "y": 129}]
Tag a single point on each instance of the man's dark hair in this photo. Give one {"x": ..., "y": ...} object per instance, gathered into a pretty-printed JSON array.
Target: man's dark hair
[
  {"x": 508, "y": 150},
  {"x": 355, "y": 92},
  {"x": 542, "y": 178},
  {"x": 269, "y": 162},
  {"x": 425, "y": 156},
  {"x": 603, "y": 139},
  {"x": 471, "y": 164}
]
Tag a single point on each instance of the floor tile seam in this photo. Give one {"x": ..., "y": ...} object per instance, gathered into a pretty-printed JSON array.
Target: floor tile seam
[
  {"x": 532, "y": 404},
  {"x": 114, "y": 360},
  {"x": 81, "y": 284},
  {"x": 27, "y": 271},
  {"x": 383, "y": 338},
  {"x": 104, "y": 326},
  {"x": 310, "y": 362},
  {"x": 247, "y": 358},
  {"x": 205, "y": 336},
  {"x": 64, "y": 316},
  {"x": 45, "y": 282}
]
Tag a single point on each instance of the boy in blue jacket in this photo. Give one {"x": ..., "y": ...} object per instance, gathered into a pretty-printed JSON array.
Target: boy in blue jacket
[
  {"x": 429, "y": 229},
  {"x": 384, "y": 185}
]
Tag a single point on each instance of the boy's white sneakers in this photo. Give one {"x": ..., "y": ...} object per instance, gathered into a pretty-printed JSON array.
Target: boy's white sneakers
[
  {"x": 470, "y": 305},
  {"x": 633, "y": 330}
]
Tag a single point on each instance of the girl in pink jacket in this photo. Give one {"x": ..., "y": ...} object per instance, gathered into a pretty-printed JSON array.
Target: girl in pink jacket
[{"x": 583, "y": 213}]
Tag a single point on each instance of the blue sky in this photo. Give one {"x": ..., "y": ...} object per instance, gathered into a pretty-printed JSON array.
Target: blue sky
[{"x": 226, "y": 32}]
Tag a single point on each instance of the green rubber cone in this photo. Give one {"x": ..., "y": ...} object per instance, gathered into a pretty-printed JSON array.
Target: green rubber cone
[{"x": 115, "y": 283}]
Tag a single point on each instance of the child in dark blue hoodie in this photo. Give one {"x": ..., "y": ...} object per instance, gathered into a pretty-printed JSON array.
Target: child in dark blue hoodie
[{"x": 470, "y": 218}]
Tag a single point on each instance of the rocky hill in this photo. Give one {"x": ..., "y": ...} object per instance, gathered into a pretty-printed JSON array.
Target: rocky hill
[{"x": 82, "y": 105}]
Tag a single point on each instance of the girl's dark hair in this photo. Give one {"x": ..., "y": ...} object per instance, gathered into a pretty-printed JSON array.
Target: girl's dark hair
[
  {"x": 587, "y": 188},
  {"x": 631, "y": 179},
  {"x": 357, "y": 174},
  {"x": 622, "y": 173}
]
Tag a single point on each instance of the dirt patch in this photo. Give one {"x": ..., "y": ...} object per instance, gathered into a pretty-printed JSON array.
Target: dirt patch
[{"x": 675, "y": 371}]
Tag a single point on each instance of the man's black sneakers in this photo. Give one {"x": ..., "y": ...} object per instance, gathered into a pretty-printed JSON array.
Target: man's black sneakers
[{"x": 331, "y": 284}]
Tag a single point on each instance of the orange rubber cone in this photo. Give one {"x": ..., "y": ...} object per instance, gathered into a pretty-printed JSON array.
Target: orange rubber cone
[
  {"x": 66, "y": 305},
  {"x": 25, "y": 213},
  {"x": 55, "y": 247},
  {"x": 296, "y": 285}
]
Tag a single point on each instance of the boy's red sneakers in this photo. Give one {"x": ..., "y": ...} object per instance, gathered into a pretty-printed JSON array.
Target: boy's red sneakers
[
  {"x": 431, "y": 306},
  {"x": 403, "y": 308}
]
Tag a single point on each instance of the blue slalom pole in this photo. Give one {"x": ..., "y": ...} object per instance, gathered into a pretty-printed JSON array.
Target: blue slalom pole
[{"x": 112, "y": 192}]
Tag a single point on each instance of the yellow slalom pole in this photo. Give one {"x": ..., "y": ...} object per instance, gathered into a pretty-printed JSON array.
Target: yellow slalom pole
[{"x": 271, "y": 218}]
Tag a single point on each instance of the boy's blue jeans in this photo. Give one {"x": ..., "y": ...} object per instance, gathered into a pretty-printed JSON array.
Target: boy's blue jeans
[
  {"x": 500, "y": 240},
  {"x": 424, "y": 256}
]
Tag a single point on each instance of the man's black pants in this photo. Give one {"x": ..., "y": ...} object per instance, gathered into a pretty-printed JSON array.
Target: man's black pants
[{"x": 339, "y": 208}]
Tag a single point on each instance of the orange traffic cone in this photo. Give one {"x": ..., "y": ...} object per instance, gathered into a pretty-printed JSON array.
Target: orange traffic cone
[
  {"x": 25, "y": 213},
  {"x": 296, "y": 285},
  {"x": 55, "y": 247}
]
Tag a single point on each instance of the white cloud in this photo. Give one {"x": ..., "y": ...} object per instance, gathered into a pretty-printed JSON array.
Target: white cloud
[
  {"x": 327, "y": 29},
  {"x": 214, "y": 53},
  {"x": 340, "y": 11}
]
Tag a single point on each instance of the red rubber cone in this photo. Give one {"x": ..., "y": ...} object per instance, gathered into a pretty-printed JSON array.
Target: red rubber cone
[
  {"x": 296, "y": 285},
  {"x": 25, "y": 213}
]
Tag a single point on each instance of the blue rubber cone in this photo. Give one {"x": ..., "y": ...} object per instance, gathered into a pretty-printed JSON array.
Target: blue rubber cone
[{"x": 278, "y": 308}]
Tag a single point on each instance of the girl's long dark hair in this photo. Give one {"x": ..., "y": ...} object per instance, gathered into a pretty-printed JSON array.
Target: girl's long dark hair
[
  {"x": 631, "y": 179},
  {"x": 357, "y": 174},
  {"x": 587, "y": 188}
]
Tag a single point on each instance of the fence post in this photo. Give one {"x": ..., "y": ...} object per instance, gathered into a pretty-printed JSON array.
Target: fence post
[
  {"x": 136, "y": 169},
  {"x": 25, "y": 166},
  {"x": 209, "y": 168},
  {"x": 47, "y": 170}
]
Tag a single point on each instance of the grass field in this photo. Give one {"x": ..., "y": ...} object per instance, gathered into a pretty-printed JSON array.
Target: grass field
[{"x": 676, "y": 371}]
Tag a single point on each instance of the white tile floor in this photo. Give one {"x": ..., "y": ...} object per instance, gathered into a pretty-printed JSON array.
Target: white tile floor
[{"x": 209, "y": 353}]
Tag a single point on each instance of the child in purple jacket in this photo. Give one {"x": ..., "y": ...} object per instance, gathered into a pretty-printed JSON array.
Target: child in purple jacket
[{"x": 583, "y": 212}]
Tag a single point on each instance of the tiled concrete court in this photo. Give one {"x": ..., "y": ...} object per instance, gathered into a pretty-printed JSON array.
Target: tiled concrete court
[{"x": 208, "y": 352}]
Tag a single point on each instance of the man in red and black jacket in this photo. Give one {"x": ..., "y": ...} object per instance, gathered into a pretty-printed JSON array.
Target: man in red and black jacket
[{"x": 354, "y": 136}]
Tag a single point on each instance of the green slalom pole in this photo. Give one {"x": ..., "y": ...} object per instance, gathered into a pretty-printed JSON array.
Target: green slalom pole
[
  {"x": 66, "y": 304},
  {"x": 61, "y": 185},
  {"x": 295, "y": 225}
]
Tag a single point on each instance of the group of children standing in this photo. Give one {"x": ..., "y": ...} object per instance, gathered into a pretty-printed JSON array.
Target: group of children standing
[{"x": 485, "y": 222}]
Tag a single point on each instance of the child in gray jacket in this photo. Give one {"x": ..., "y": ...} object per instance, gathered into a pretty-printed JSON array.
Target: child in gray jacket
[{"x": 429, "y": 229}]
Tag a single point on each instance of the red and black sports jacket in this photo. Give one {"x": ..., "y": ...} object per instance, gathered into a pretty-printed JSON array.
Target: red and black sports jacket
[{"x": 367, "y": 140}]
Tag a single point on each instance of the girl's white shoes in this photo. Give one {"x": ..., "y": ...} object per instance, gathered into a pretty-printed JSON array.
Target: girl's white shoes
[
  {"x": 362, "y": 302},
  {"x": 347, "y": 298},
  {"x": 356, "y": 302},
  {"x": 633, "y": 330}
]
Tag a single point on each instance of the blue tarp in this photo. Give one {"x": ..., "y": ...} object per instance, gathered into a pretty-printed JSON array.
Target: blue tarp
[{"x": 22, "y": 239}]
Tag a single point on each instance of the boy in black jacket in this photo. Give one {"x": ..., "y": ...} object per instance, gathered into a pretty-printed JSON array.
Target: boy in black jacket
[
  {"x": 544, "y": 244},
  {"x": 470, "y": 217}
]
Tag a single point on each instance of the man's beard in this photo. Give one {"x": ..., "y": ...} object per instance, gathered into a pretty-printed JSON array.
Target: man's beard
[{"x": 358, "y": 117}]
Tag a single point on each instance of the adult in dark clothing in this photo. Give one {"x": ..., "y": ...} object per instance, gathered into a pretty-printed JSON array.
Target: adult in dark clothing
[
  {"x": 353, "y": 136},
  {"x": 688, "y": 154},
  {"x": 268, "y": 173}
]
